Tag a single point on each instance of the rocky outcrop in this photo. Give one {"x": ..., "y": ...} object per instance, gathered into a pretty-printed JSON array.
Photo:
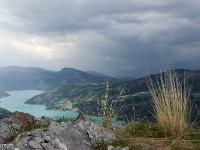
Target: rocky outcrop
[
  {"x": 74, "y": 135},
  {"x": 95, "y": 132},
  {"x": 19, "y": 122},
  {"x": 22, "y": 120}
]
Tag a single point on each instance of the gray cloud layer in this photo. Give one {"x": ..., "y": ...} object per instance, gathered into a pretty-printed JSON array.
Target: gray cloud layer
[{"x": 110, "y": 36}]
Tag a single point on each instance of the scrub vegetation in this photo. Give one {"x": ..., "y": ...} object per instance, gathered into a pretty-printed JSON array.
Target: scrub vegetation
[{"x": 172, "y": 127}]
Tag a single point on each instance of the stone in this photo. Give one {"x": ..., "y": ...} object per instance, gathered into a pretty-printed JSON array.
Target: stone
[
  {"x": 24, "y": 120},
  {"x": 35, "y": 145},
  {"x": 5, "y": 130},
  {"x": 47, "y": 138},
  {"x": 9, "y": 147},
  {"x": 74, "y": 135},
  {"x": 62, "y": 147},
  {"x": 70, "y": 135},
  {"x": 7, "y": 120},
  {"x": 39, "y": 140},
  {"x": 95, "y": 132},
  {"x": 47, "y": 146},
  {"x": 56, "y": 143},
  {"x": 59, "y": 145},
  {"x": 16, "y": 126},
  {"x": 15, "y": 123}
]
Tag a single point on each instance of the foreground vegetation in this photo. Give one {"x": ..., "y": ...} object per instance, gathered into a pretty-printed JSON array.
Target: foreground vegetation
[
  {"x": 171, "y": 103},
  {"x": 138, "y": 136},
  {"x": 173, "y": 127},
  {"x": 107, "y": 109}
]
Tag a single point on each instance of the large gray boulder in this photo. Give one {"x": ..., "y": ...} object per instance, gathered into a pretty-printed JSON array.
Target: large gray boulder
[
  {"x": 17, "y": 123},
  {"x": 95, "y": 132},
  {"x": 61, "y": 136},
  {"x": 10, "y": 126},
  {"x": 73, "y": 135}
]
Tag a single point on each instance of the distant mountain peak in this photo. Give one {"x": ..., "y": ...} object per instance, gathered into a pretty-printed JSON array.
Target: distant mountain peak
[{"x": 24, "y": 78}]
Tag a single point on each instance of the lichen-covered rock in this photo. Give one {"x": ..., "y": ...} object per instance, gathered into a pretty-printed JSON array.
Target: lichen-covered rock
[
  {"x": 5, "y": 127},
  {"x": 95, "y": 132},
  {"x": 71, "y": 135},
  {"x": 78, "y": 135},
  {"x": 50, "y": 139},
  {"x": 23, "y": 120},
  {"x": 16, "y": 123},
  {"x": 33, "y": 144}
]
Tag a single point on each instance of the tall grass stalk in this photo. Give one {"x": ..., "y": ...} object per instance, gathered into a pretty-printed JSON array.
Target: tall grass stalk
[
  {"x": 171, "y": 102},
  {"x": 107, "y": 109}
]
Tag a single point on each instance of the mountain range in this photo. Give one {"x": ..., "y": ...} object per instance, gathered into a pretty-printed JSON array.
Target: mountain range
[
  {"x": 72, "y": 89},
  {"x": 132, "y": 96},
  {"x": 28, "y": 78}
]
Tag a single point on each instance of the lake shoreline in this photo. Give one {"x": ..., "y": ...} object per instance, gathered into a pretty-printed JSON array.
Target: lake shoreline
[{"x": 16, "y": 102}]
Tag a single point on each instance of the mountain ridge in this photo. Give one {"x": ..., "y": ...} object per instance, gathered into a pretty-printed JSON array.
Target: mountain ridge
[
  {"x": 28, "y": 78},
  {"x": 129, "y": 93}
]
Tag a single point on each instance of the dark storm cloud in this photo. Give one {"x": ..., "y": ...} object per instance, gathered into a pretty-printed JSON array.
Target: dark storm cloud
[{"x": 110, "y": 36}]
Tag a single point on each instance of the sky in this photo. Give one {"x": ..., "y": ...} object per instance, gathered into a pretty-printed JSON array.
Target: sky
[{"x": 116, "y": 37}]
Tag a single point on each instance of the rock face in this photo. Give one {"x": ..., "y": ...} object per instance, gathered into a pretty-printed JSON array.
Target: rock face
[
  {"x": 95, "y": 132},
  {"x": 23, "y": 120},
  {"x": 18, "y": 122},
  {"x": 77, "y": 135}
]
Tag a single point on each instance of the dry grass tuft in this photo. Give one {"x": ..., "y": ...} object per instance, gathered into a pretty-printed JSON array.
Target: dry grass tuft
[
  {"x": 171, "y": 103},
  {"x": 107, "y": 109}
]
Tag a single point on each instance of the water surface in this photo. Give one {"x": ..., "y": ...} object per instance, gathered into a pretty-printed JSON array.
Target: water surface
[{"x": 15, "y": 102}]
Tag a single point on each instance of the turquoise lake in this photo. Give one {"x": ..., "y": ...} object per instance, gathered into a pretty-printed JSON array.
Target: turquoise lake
[{"x": 15, "y": 102}]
